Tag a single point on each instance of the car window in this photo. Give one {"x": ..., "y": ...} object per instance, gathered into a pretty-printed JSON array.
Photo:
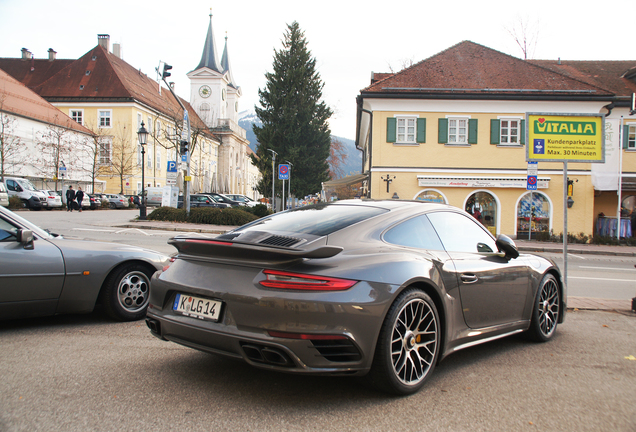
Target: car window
[
  {"x": 319, "y": 219},
  {"x": 416, "y": 232},
  {"x": 7, "y": 231},
  {"x": 459, "y": 233}
]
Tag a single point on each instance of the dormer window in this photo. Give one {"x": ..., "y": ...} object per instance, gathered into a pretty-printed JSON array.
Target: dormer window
[
  {"x": 88, "y": 72},
  {"x": 81, "y": 87},
  {"x": 94, "y": 58}
]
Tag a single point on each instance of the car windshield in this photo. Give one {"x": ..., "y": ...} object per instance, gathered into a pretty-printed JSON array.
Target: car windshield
[
  {"x": 26, "y": 185},
  {"x": 319, "y": 220}
]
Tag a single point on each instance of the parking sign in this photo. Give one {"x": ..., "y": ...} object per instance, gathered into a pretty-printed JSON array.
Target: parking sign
[{"x": 283, "y": 172}]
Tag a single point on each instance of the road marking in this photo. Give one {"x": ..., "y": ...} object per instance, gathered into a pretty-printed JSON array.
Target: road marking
[
  {"x": 601, "y": 279},
  {"x": 607, "y": 268},
  {"x": 89, "y": 229},
  {"x": 577, "y": 256},
  {"x": 132, "y": 229}
]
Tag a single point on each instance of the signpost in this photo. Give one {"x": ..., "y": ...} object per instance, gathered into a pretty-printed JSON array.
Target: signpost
[
  {"x": 556, "y": 137},
  {"x": 283, "y": 174}
]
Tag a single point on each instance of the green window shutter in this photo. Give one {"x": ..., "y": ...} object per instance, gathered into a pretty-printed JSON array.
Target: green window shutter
[
  {"x": 442, "y": 131},
  {"x": 421, "y": 130},
  {"x": 472, "y": 131},
  {"x": 625, "y": 137},
  {"x": 522, "y": 132},
  {"x": 391, "y": 129},
  {"x": 495, "y": 125}
]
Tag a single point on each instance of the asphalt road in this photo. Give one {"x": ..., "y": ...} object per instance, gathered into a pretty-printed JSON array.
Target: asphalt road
[{"x": 86, "y": 373}]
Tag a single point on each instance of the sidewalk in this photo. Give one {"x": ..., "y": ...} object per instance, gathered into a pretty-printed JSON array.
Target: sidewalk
[{"x": 581, "y": 303}]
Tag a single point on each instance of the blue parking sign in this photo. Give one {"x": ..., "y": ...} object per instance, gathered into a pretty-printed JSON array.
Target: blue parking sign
[{"x": 172, "y": 166}]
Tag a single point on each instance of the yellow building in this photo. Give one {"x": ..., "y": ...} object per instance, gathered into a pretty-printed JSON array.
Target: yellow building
[{"x": 451, "y": 129}]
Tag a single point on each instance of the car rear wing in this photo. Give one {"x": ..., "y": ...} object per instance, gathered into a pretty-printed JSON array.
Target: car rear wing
[{"x": 225, "y": 251}]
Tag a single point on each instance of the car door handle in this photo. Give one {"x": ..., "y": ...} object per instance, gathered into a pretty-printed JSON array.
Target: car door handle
[{"x": 469, "y": 278}]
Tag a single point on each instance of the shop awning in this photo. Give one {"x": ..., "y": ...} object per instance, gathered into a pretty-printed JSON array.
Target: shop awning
[{"x": 345, "y": 181}]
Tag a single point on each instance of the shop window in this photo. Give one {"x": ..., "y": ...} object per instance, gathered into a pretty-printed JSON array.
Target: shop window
[
  {"x": 533, "y": 217},
  {"x": 430, "y": 196},
  {"x": 483, "y": 207}
]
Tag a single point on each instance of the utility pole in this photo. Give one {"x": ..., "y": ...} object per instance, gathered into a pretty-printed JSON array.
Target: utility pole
[
  {"x": 273, "y": 178},
  {"x": 291, "y": 165}
]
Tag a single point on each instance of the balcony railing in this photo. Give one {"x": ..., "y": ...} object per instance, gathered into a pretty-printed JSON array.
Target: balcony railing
[{"x": 228, "y": 125}]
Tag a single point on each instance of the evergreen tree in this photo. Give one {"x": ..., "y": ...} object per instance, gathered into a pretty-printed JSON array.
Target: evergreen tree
[{"x": 295, "y": 120}]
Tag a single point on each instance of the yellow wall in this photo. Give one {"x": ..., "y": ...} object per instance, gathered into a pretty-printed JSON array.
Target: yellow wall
[{"x": 482, "y": 155}]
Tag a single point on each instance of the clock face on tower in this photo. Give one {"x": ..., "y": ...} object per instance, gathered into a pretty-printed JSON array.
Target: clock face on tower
[{"x": 204, "y": 91}]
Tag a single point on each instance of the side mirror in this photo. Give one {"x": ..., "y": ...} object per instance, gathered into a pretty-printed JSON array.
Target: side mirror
[
  {"x": 25, "y": 237},
  {"x": 507, "y": 246}
]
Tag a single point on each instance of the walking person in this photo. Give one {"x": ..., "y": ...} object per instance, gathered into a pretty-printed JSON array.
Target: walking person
[
  {"x": 79, "y": 196},
  {"x": 70, "y": 198}
]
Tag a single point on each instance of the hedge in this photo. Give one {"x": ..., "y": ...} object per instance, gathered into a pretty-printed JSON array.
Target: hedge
[{"x": 203, "y": 215}]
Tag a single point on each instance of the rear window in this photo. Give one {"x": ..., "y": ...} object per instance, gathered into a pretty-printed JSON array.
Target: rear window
[{"x": 318, "y": 220}]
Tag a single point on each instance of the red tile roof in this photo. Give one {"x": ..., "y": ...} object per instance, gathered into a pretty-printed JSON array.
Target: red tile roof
[
  {"x": 32, "y": 72},
  {"x": 605, "y": 74},
  {"x": 17, "y": 99},
  {"x": 470, "y": 68}
]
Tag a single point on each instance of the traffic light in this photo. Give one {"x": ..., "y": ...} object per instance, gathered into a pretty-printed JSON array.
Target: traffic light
[
  {"x": 166, "y": 68},
  {"x": 183, "y": 147}
]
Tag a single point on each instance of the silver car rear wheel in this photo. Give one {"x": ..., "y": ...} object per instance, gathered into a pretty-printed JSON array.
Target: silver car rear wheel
[{"x": 408, "y": 345}]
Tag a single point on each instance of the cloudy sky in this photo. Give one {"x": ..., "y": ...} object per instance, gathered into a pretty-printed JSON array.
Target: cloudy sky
[{"x": 348, "y": 38}]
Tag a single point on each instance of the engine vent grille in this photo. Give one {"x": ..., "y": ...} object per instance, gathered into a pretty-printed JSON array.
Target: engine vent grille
[
  {"x": 338, "y": 350},
  {"x": 228, "y": 236},
  {"x": 280, "y": 241}
]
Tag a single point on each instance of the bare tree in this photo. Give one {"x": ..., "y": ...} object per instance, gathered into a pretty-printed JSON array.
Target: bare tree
[
  {"x": 55, "y": 145},
  {"x": 403, "y": 63},
  {"x": 337, "y": 158},
  {"x": 525, "y": 34},
  {"x": 93, "y": 150},
  {"x": 122, "y": 163},
  {"x": 12, "y": 153}
]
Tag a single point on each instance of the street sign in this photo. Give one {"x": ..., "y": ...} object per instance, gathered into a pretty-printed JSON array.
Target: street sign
[
  {"x": 533, "y": 168},
  {"x": 172, "y": 166},
  {"x": 532, "y": 183},
  {"x": 184, "y": 158},
  {"x": 283, "y": 172}
]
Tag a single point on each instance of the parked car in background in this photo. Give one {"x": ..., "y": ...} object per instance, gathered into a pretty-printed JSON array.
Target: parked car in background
[
  {"x": 242, "y": 199},
  {"x": 53, "y": 199},
  {"x": 223, "y": 199},
  {"x": 385, "y": 289},
  {"x": 4, "y": 196},
  {"x": 45, "y": 274},
  {"x": 92, "y": 202},
  {"x": 117, "y": 201},
  {"x": 201, "y": 200},
  {"x": 154, "y": 196},
  {"x": 32, "y": 198}
]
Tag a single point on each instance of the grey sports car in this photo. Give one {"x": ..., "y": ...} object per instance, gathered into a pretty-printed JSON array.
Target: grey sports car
[
  {"x": 384, "y": 288},
  {"x": 44, "y": 274}
]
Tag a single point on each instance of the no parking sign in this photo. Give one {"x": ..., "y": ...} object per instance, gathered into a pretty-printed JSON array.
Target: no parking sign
[{"x": 283, "y": 172}]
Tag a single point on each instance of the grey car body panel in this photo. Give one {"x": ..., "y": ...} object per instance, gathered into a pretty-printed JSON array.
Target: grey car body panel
[
  {"x": 219, "y": 272},
  {"x": 49, "y": 279}
]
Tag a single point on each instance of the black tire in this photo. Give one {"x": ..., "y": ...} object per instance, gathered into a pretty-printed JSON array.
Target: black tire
[
  {"x": 126, "y": 291},
  {"x": 408, "y": 344},
  {"x": 112, "y": 205},
  {"x": 546, "y": 311}
]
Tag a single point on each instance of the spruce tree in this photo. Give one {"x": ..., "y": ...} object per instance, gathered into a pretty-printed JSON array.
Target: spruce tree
[{"x": 294, "y": 118}]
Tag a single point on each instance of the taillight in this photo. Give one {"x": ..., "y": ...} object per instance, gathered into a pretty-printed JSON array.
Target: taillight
[
  {"x": 297, "y": 281},
  {"x": 173, "y": 259}
]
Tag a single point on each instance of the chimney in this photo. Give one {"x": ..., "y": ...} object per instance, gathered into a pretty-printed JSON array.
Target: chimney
[
  {"x": 117, "y": 49},
  {"x": 26, "y": 54},
  {"x": 104, "y": 41},
  {"x": 52, "y": 54}
]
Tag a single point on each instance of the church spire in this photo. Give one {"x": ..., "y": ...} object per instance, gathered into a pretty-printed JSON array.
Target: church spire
[
  {"x": 225, "y": 64},
  {"x": 209, "y": 58}
]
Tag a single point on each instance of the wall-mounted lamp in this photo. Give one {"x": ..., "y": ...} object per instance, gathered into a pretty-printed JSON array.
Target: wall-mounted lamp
[
  {"x": 570, "y": 202},
  {"x": 395, "y": 196}
]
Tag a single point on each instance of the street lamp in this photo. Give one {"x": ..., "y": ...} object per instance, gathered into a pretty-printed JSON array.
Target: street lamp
[
  {"x": 273, "y": 177},
  {"x": 142, "y": 134}
]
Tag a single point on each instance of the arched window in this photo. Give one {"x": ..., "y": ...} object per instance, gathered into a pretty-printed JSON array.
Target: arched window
[
  {"x": 533, "y": 217},
  {"x": 430, "y": 195},
  {"x": 483, "y": 207}
]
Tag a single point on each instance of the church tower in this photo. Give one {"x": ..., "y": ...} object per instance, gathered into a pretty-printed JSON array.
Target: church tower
[{"x": 213, "y": 92}]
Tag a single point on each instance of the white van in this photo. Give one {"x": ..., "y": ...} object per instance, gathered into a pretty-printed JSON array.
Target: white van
[
  {"x": 23, "y": 188},
  {"x": 154, "y": 196}
]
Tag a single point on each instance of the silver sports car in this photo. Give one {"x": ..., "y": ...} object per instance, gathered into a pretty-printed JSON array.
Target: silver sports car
[
  {"x": 44, "y": 274},
  {"x": 383, "y": 288}
]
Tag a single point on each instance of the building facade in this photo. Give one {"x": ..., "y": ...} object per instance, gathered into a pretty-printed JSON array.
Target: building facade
[{"x": 451, "y": 129}]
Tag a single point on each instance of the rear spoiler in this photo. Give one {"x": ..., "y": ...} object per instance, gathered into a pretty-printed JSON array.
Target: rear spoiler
[{"x": 233, "y": 251}]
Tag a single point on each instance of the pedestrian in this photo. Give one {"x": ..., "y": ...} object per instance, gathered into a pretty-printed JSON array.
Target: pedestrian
[
  {"x": 70, "y": 198},
  {"x": 79, "y": 196}
]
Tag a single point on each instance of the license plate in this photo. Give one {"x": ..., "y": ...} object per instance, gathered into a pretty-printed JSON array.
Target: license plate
[{"x": 197, "y": 307}]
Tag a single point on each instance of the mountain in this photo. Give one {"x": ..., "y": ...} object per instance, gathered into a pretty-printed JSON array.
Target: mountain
[{"x": 353, "y": 163}]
